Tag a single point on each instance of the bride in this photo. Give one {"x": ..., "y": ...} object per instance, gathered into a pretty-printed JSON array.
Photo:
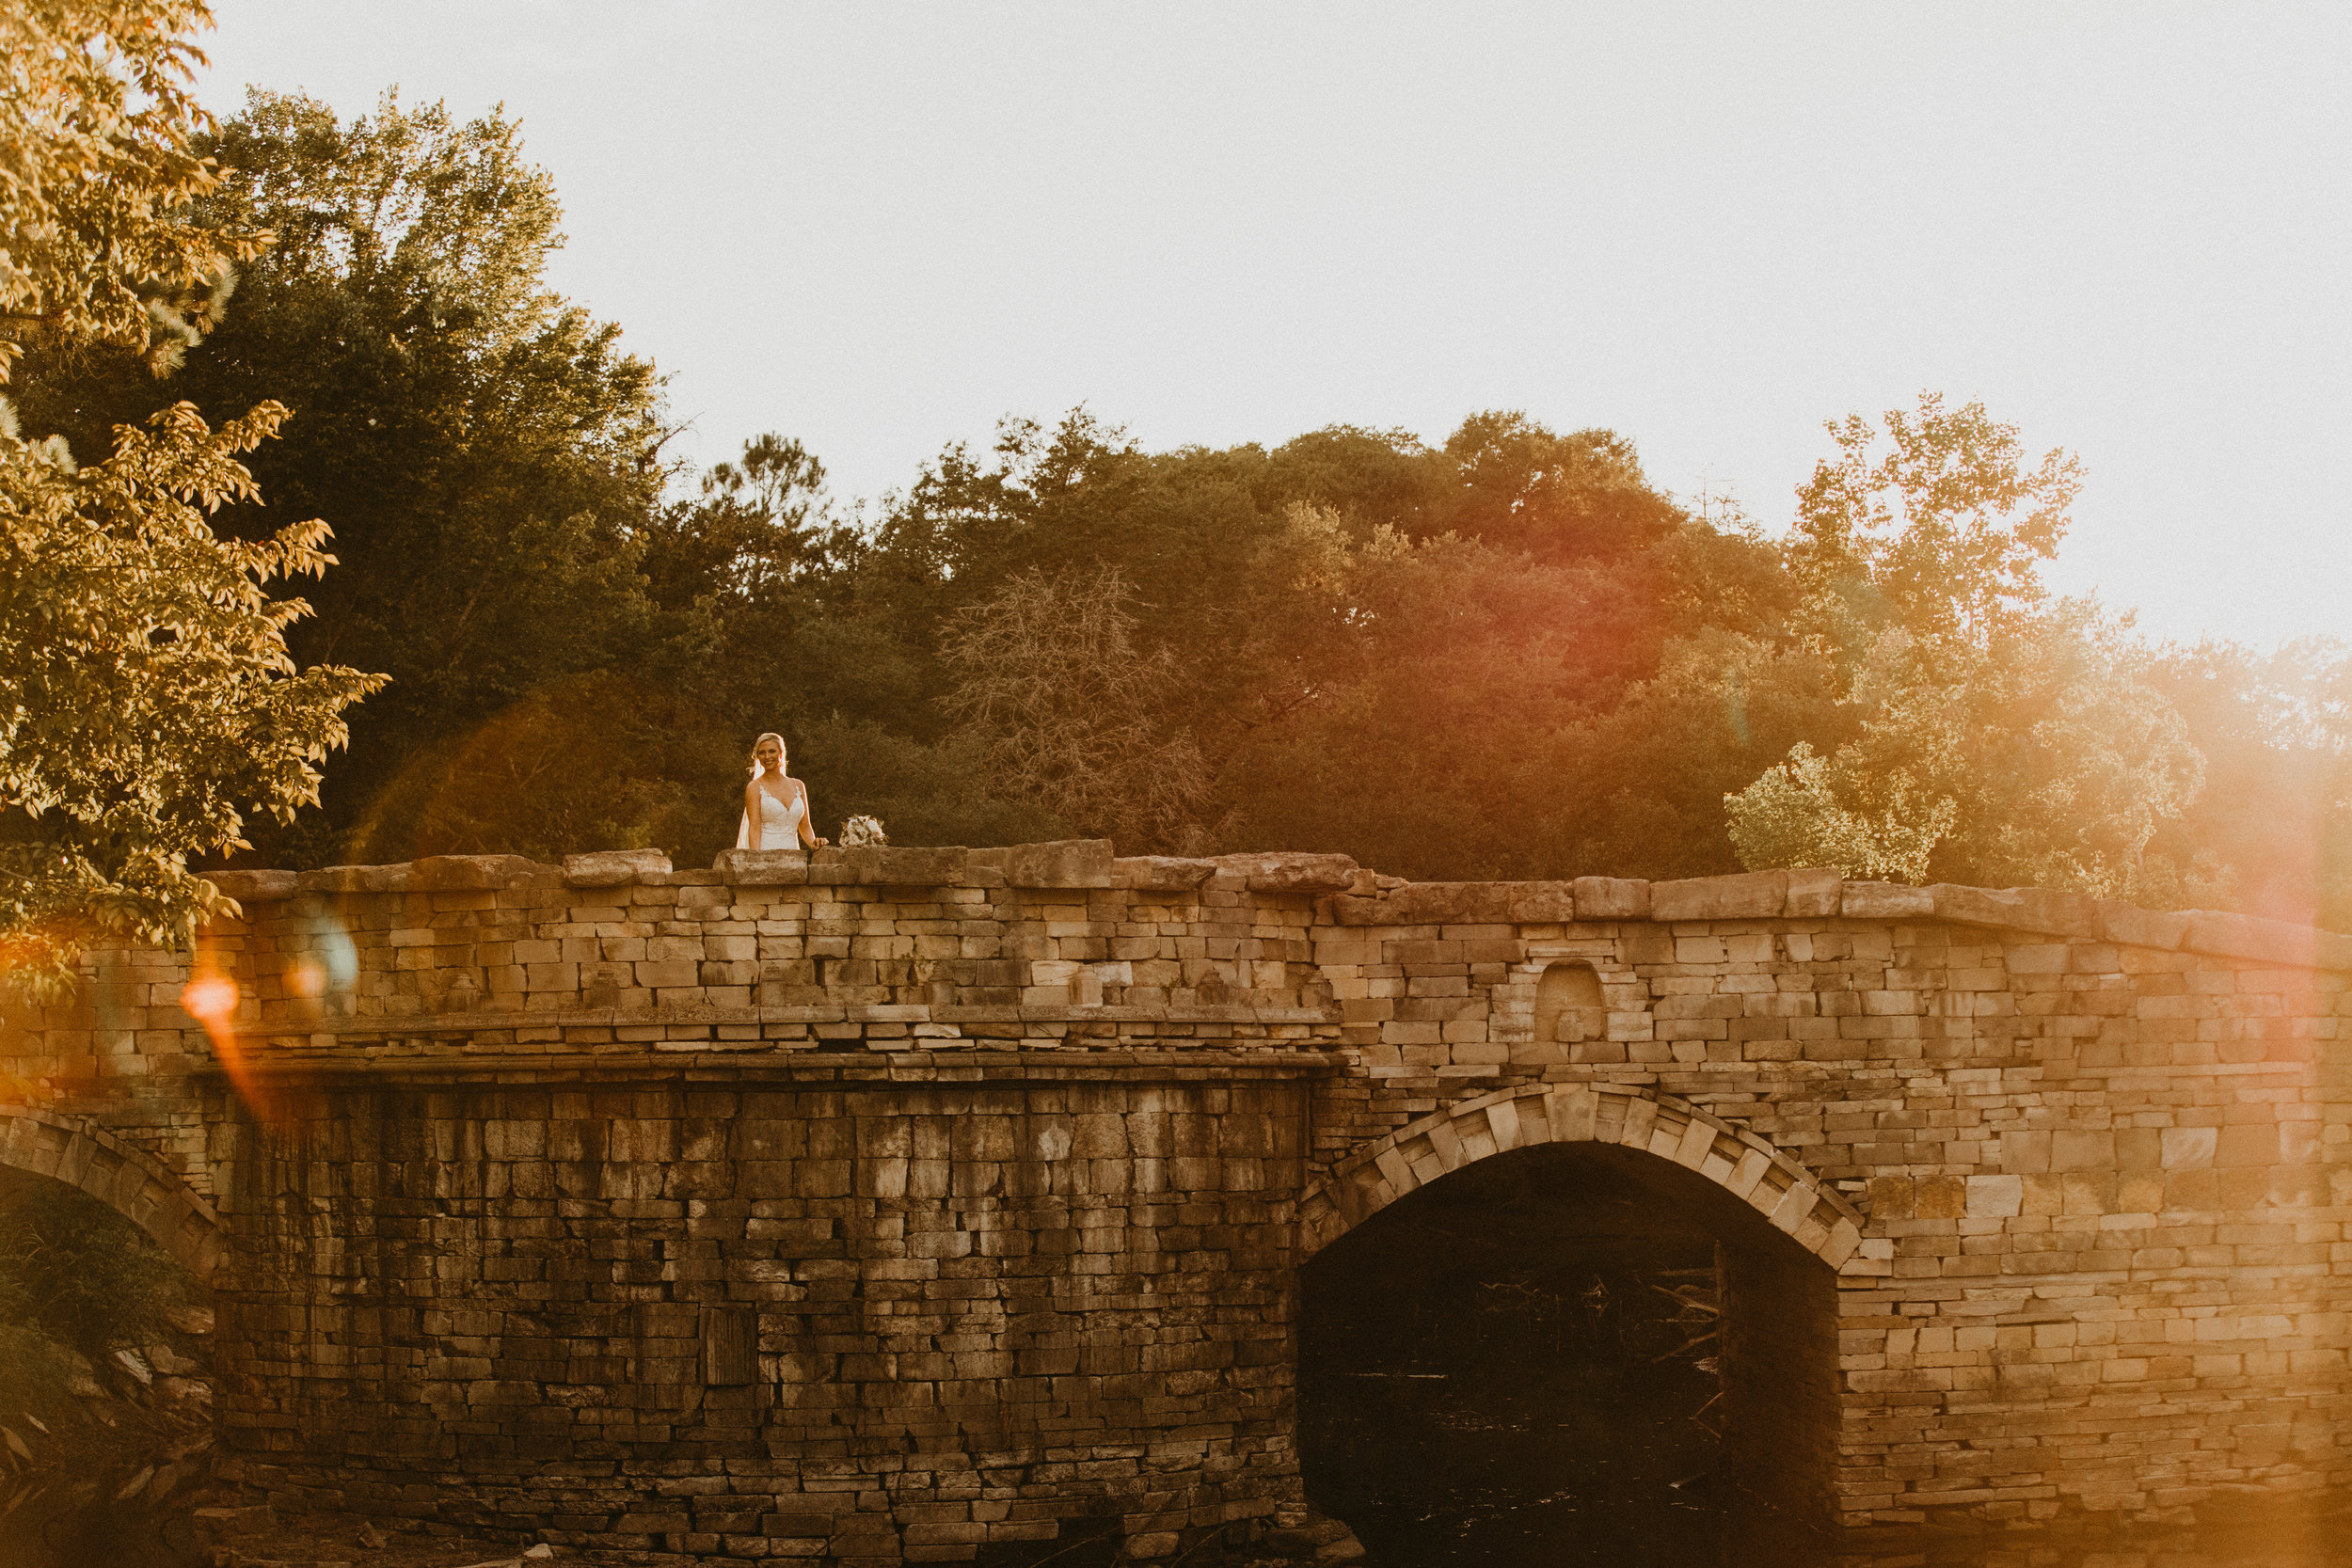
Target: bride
[{"x": 777, "y": 805}]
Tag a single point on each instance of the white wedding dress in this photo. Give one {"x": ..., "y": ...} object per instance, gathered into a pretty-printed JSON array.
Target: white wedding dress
[{"x": 779, "y": 825}]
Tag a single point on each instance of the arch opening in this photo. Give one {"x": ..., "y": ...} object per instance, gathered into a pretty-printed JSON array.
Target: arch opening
[
  {"x": 132, "y": 1182},
  {"x": 1568, "y": 1350}
]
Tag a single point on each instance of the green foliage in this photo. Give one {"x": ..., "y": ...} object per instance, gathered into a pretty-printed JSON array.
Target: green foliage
[
  {"x": 80, "y": 1273},
  {"x": 484, "y": 451},
  {"x": 147, "y": 698},
  {"x": 97, "y": 171},
  {"x": 2000, "y": 739},
  {"x": 148, "y": 701},
  {"x": 1506, "y": 653}
]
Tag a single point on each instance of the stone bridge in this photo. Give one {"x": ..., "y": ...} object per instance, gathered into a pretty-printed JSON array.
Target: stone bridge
[{"x": 918, "y": 1205}]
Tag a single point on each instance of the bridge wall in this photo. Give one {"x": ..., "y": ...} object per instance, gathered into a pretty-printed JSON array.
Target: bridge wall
[{"x": 891, "y": 1205}]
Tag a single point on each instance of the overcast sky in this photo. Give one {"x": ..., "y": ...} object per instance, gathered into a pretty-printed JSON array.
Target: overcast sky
[{"x": 881, "y": 227}]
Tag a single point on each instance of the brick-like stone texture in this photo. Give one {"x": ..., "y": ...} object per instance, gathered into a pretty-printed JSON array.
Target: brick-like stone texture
[{"x": 883, "y": 1207}]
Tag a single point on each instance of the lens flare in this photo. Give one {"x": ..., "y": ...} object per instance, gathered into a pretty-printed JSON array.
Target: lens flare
[
  {"x": 307, "y": 979},
  {"x": 212, "y": 1001}
]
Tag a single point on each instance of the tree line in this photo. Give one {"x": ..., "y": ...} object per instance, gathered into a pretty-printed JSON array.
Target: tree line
[{"x": 1506, "y": 654}]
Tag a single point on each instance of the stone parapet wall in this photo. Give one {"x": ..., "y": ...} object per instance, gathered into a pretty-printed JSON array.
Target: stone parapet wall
[{"x": 2064, "y": 1184}]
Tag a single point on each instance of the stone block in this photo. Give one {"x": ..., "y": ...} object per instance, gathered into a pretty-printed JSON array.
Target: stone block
[
  {"x": 1750, "y": 895},
  {"x": 1979, "y": 905},
  {"x": 254, "y": 886},
  {"x": 2189, "y": 1147},
  {"x": 471, "y": 873},
  {"x": 1610, "y": 899},
  {"x": 2245, "y": 936},
  {"x": 355, "y": 879},
  {"x": 2133, "y": 926},
  {"x": 766, "y": 867},
  {"x": 1065, "y": 862},
  {"x": 1541, "y": 903},
  {"x": 907, "y": 865},
  {"x": 1448, "y": 904},
  {"x": 1292, "y": 873},
  {"x": 1885, "y": 901},
  {"x": 1814, "y": 891},
  {"x": 1161, "y": 873},
  {"x": 613, "y": 867},
  {"x": 1993, "y": 1197},
  {"x": 2067, "y": 914}
]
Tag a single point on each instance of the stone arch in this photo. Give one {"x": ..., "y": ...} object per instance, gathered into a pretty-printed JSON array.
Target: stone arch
[
  {"x": 1786, "y": 1195},
  {"x": 129, "y": 1181}
]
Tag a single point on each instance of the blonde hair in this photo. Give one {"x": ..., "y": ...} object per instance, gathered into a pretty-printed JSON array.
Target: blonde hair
[{"x": 782, "y": 749}]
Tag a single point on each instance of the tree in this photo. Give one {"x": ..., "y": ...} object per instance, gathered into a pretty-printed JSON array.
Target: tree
[
  {"x": 1048, "y": 678},
  {"x": 97, "y": 172},
  {"x": 148, "y": 700},
  {"x": 1998, "y": 738},
  {"x": 1946, "y": 530},
  {"x": 485, "y": 453}
]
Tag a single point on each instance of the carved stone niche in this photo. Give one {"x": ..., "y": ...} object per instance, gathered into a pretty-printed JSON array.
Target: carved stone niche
[{"x": 1570, "y": 1008}]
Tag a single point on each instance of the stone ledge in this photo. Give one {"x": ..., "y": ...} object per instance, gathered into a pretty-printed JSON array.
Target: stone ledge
[
  {"x": 458, "y": 1026},
  {"x": 760, "y": 1061},
  {"x": 1350, "y": 896}
]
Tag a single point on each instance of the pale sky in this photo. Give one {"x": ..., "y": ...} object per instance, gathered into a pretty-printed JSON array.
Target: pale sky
[{"x": 2124, "y": 228}]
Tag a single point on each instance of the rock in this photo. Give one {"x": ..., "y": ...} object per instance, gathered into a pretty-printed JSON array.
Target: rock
[
  {"x": 190, "y": 1320},
  {"x": 540, "y": 1553},
  {"x": 471, "y": 873},
  {"x": 1610, "y": 899},
  {"x": 764, "y": 867},
  {"x": 1750, "y": 895},
  {"x": 177, "y": 1390},
  {"x": 1149, "y": 1546},
  {"x": 370, "y": 1537},
  {"x": 132, "y": 1362},
  {"x": 613, "y": 867},
  {"x": 250, "y": 886},
  {"x": 164, "y": 1359}
]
